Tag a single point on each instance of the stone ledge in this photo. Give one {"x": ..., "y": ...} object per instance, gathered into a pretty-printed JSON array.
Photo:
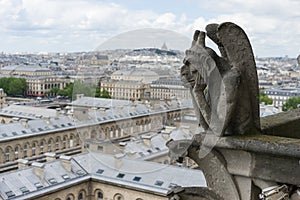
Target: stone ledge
[
  {"x": 284, "y": 124},
  {"x": 263, "y": 144}
]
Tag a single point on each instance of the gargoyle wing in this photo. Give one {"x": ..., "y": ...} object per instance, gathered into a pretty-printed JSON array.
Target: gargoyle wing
[{"x": 239, "y": 54}]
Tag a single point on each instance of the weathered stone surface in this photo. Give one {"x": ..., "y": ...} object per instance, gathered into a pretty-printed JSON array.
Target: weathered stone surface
[
  {"x": 224, "y": 89},
  {"x": 284, "y": 124},
  {"x": 194, "y": 193}
]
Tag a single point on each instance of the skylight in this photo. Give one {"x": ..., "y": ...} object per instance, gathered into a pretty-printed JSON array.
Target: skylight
[
  {"x": 38, "y": 185},
  {"x": 120, "y": 175},
  {"x": 80, "y": 172},
  {"x": 159, "y": 183},
  {"x": 172, "y": 185},
  {"x": 10, "y": 194},
  {"x": 137, "y": 178},
  {"x": 24, "y": 190},
  {"x": 100, "y": 171},
  {"x": 65, "y": 176},
  {"x": 52, "y": 181}
]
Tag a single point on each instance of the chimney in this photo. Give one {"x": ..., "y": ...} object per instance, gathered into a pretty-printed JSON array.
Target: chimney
[
  {"x": 102, "y": 110},
  {"x": 79, "y": 96},
  {"x": 38, "y": 169},
  {"x": 133, "y": 107},
  {"x": 47, "y": 119},
  {"x": 58, "y": 111},
  {"x": 66, "y": 162},
  {"x": 166, "y": 134},
  {"x": 15, "y": 119},
  {"x": 118, "y": 160},
  {"x": 131, "y": 154},
  {"x": 81, "y": 114},
  {"x": 147, "y": 140},
  {"x": 50, "y": 156},
  {"x": 24, "y": 122},
  {"x": 22, "y": 163},
  {"x": 39, "y": 116}
]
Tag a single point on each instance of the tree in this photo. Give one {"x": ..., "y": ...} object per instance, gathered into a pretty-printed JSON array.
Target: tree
[
  {"x": 105, "y": 94},
  {"x": 264, "y": 98},
  {"x": 53, "y": 91},
  {"x": 13, "y": 86},
  {"x": 291, "y": 103},
  {"x": 75, "y": 88}
]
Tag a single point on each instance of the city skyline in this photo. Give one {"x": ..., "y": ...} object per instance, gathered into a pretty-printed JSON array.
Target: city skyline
[{"x": 70, "y": 26}]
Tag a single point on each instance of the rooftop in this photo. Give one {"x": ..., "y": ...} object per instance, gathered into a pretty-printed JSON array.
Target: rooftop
[{"x": 149, "y": 176}]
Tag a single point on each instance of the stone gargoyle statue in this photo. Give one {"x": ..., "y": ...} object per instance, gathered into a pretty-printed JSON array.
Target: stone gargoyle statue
[
  {"x": 224, "y": 88},
  {"x": 225, "y": 95}
]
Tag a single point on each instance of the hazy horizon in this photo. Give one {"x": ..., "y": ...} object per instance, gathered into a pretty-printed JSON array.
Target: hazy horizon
[{"x": 82, "y": 25}]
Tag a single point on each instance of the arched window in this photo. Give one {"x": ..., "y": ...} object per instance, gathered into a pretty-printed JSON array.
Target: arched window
[
  {"x": 118, "y": 197},
  {"x": 25, "y": 151},
  {"x": 71, "y": 141},
  {"x": 57, "y": 144},
  {"x": 70, "y": 197},
  {"x": 7, "y": 157},
  {"x": 99, "y": 195},
  {"x": 80, "y": 196},
  {"x": 64, "y": 142},
  {"x": 49, "y": 145},
  {"x": 42, "y": 147},
  {"x": 16, "y": 153},
  {"x": 33, "y": 149}
]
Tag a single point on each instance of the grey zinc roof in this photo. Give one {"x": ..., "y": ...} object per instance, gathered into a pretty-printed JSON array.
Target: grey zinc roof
[
  {"x": 15, "y": 181},
  {"x": 37, "y": 126},
  {"x": 149, "y": 172},
  {"x": 117, "y": 112},
  {"x": 100, "y": 102},
  {"x": 158, "y": 143},
  {"x": 30, "y": 68},
  {"x": 135, "y": 72},
  {"x": 26, "y": 111},
  {"x": 100, "y": 167}
]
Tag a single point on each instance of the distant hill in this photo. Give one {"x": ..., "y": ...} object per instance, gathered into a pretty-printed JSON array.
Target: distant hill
[{"x": 146, "y": 38}]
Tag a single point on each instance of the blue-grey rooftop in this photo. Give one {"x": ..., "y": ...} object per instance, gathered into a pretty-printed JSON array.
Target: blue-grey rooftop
[{"x": 149, "y": 176}]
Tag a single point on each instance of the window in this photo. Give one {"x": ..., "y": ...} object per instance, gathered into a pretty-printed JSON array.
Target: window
[
  {"x": 137, "y": 178},
  {"x": 42, "y": 147},
  {"x": 118, "y": 197},
  {"x": 25, "y": 151},
  {"x": 100, "y": 148},
  {"x": 120, "y": 175},
  {"x": 71, "y": 141},
  {"x": 159, "y": 183},
  {"x": 10, "y": 194},
  {"x": 38, "y": 185},
  {"x": 65, "y": 177},
  {"x": 16, "y": 153},
  {"x": 33, "y": 149},
  {"x": 52, "y": 181},
  {"x": 172, "y": 185},
  {"x": 80, "y": 196},
  {"x": 7, "y": 155},
  {"x": 49, "y": 145},
  {"x": 56, "y": 144},
  {"x": 64, "y": 143},
  {"x": 100, "y": 171},
  {"x": 24, "y": 190},
  {"x": 99, "y": 196}
]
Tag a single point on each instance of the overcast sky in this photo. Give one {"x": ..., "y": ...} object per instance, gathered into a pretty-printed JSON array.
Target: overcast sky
[{"x": 81, "y": 25}]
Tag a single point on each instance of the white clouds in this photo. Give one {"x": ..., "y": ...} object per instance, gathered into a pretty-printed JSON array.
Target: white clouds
[{"x": 82, "y": 24}]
